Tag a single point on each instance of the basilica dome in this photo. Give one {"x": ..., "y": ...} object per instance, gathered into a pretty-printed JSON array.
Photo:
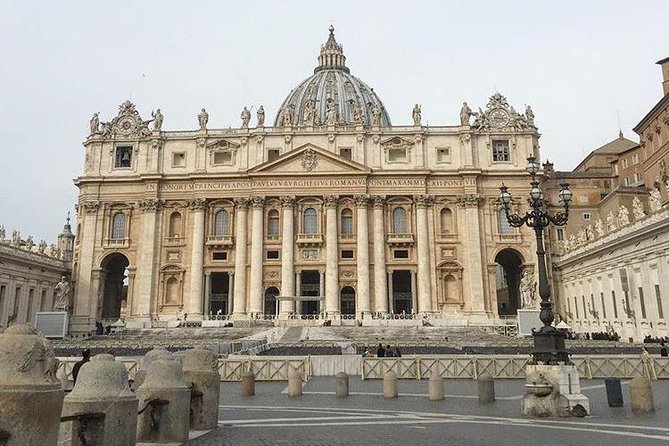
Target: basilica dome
[{"x": 332, "y": 96}]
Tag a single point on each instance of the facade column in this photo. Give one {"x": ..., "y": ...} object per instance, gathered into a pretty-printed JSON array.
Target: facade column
[
  {"x": 391, "y": 304},
  {"x": 321, "y": 289},
  {"x": 362, "y": 260},
  {"x": 197, "y": 207},
  {"x": 414, "y": 299},
  {"x": 85, "y": 308},
  {"x": 332, "y": 257},
  {"x": 257, "y": 234},
  {"x": 207, "y": 292},
  {"x": 239, "y": 309},
  {"x": 146, "y": 289},
  {"x": 298, "y": 292},
  {"x": 231, "y": 292},
  {"x": 473, "y": 253},
  {"x": 380, "y": 281},
  {"x": 422, "y": 202},
  {"x": 287, "y": 256}
]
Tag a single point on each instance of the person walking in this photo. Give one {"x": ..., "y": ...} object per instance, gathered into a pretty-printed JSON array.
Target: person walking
[{"x": 86, "y": 357}]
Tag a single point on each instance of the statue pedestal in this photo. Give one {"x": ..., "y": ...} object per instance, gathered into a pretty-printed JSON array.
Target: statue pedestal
[
  {"x": 528, "y": 318},
  {"x": 553, "y": 391},
  {"x": 52, "y": 324}
]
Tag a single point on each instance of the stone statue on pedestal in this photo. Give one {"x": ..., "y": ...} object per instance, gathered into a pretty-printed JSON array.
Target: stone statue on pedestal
[
  {"x": 376, "y": 115},
  {"x": 637, "y": 209},
  {"x": 623, "y": 215},
  {"x": 655, "y": 201},
  {"x": 95, "y": 124},
  {"x": 309, "y": 113},
  {"x": 203, "y": 119},
  {"x": 599, "y": 228},
  {"x": 16, "y": 238},
  {"x": 528, "y": 288},
  {"x": 465, "y": 114},
  {"x": 416, "y": 115},
  {"x": 331, "y": 113},
  {"x": 157, "y": 120},
  {"x": 261, "y": 116},
  {"x": 610, "y": 222},
  {"x": 246, "y": 117},
  {"x": 529, "y": 114},
  {"x": 62, "y": 302},
  {"x": 358, "y": 117}
]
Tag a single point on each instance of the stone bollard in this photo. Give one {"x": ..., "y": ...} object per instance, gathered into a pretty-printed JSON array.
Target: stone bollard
[
  {"x": 436, "y": 387},
  {"x": 31, "y": 397},
  {"x": 614, "y": 392},
  {"x": 149, "y": 357},
  {"x": 201, "y": 368},
  {"x": 342, "y": 385},
  {"x": 167, "y": 420},
  {"x": 102, "y": 388},
  {"x": 486, "y": 389},
  {"x": 390, "y": 385},
  {"x": 641, "y": 395},
  {"x": 294, "y": 383},
  {"x": 248, "y": 384}
]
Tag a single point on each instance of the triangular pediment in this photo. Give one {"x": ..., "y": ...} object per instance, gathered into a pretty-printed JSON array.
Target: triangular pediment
[
  {"x": 311, "y": 159},
  {"x": 222, "y": 144},
  {"x": 396, "y": 142}
]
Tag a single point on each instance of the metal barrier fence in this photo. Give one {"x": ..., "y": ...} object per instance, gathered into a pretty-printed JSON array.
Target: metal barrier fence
[{"x": 422, "y": 367}]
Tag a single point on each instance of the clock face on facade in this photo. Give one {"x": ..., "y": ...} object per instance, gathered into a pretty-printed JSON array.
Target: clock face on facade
[
  {"x": 499, "y": 117},
  {"x": 126, "y": 125}
]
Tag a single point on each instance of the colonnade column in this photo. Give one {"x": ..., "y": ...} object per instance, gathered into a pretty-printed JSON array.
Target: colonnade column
[
  {"x": 332, "y": 257},
  {"x": 239, "y": 308},
  {"x": 194, "y": 307},
  {"x": 424, "y": 304},
  {"x": 256, "y": 255},
  {"x": 362, "y": 260},
  {"x": 287, "y": 256},
  {"x": 380, "y": 281},
  {"x": 149, "y": 208}
]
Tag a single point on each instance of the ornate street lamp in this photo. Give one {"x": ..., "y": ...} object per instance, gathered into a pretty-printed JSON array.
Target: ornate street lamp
[{"x": 549, "y": 346}]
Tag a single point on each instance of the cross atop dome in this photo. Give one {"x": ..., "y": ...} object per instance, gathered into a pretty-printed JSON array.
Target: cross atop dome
[{"x": 332, "y": 55}]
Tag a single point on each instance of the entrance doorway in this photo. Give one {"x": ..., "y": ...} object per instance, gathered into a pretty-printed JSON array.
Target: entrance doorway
[
  {"x": 402, "y": 292},
  {"x": 270, "y": 300},
  {"x": 507, "y": 280},
  {"x": 219, "y": 299},
  {"x": 310, "y": 283},
  {"x": 114, "y": 285},
  {"x": 347, "y": 301}
]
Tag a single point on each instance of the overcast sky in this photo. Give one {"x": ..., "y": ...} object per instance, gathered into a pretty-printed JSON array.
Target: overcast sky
[{"x": 586, "y": 67}]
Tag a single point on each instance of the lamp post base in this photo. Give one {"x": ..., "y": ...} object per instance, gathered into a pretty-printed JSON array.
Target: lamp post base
[{"x": 549, "y": 347}]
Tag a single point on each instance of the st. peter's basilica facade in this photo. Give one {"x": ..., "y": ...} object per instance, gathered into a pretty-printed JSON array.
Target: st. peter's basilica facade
[{"x": 332, "y": 211}]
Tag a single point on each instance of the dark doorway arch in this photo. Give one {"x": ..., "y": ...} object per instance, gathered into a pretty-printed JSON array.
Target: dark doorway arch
[
  {"x": 114, "y": 284},
  {"x": 507, "y": 280},
  {"x": 270, "y": 300},
  {"x": 347, "y": 300}
]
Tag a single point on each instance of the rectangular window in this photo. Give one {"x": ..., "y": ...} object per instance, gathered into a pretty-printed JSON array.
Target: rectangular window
[
  {"x": 504, "y": 226},
  {"x": 643, "y": 303},
  {"x": 637, "y": 178},
  {"x": 615, "y": 169},
  {"x": 179, "y": 159},
  {"x": 273, "y": 255},
  {"x": 443, "y": 154},
  {"x": 345, "y": 152},
  {"x": 222, "y": 158},
  {"x": 401, "y": 254},
  {"x": 347, "y": 254},
  {"x": 576, "y": 306},
  {"x": 660, "y": 310},
  {"x": 123, "y": 157},
  {"x": 635, "y": 158},
  {"x": 625, "y": 163},
  {"x": 395, "y": 155},
  {"x": 587, "y": 216},
  {"x": 560, "y": 234},
  {"x": 627, "y": 181},
  {"x": 583, "y": 199},
  {"x": 615, "y": 305},
  {"x": 601, "y": 297},
  {"x": 219, "y": 255},
  {"x": 273, "y": 154},
  {"x": 500, "y": 150}
]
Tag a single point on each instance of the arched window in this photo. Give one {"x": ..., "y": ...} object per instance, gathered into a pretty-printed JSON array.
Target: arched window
[
  {"x": 172, "y": 291},
  {"x": 118, "y": 226},
  {"x": 346, "y": 222},
  {"x": 504, "y": 226},
  {"x": 310, "y": 221},
  {"x": 222, "y": 223},
  {"x": 400, "y": 221},
  {"x": 447, "y": 226},
  {"x": 175, "y": 225},
  {"x": 347, "y": 300},
  {"x": 273, "y": 222}
]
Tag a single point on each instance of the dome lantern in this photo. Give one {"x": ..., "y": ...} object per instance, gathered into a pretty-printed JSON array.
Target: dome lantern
[{"x": 332, "y": 55}]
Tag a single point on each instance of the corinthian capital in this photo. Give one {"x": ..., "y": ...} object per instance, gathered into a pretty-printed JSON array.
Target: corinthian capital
[
  {"x": 258, "y": 202},
  {"x": 242, "y": 203},
  {"x": 287, "y": 202},
  {"x": 197, "y": 204},
  {"x": 91, "y": 207},
  {"x": 361, "y": 201},
  {"x": 378, "y": 201},
  {"x": 422, "y": 201},
  {"x": 150, "y": 205},
  {"x": 331, "y": 200},
  {"x": 470, "y": 200}
]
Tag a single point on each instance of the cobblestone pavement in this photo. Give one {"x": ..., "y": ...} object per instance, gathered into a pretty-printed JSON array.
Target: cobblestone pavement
[{"x": 365, "y": 418}]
